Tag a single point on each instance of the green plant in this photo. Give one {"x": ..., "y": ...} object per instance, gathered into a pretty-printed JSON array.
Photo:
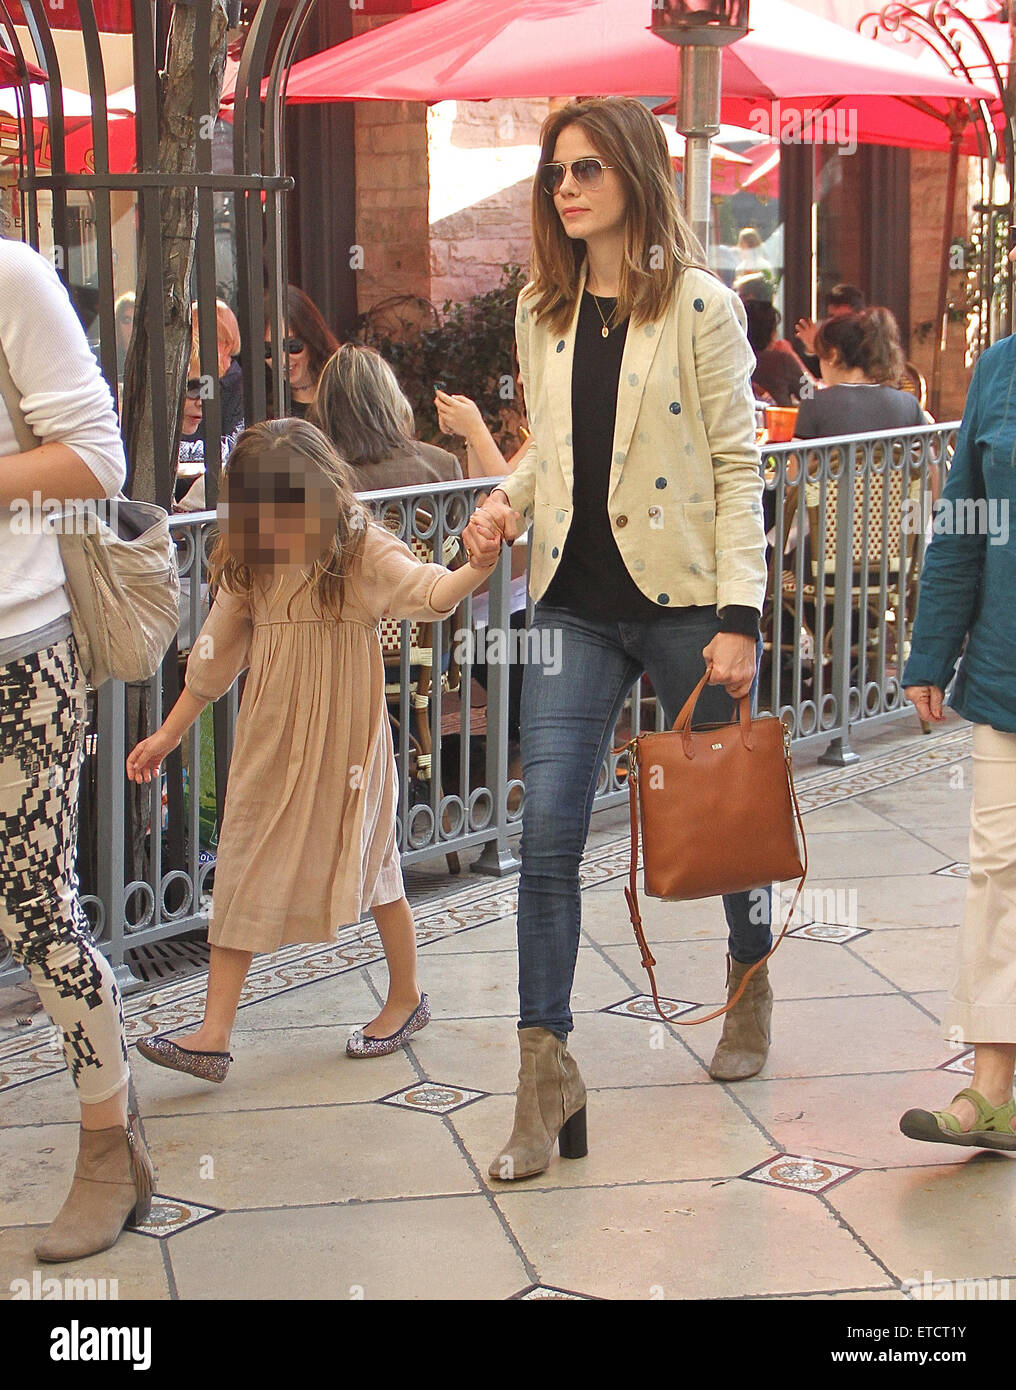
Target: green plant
[{"x": 471, "y": 351}]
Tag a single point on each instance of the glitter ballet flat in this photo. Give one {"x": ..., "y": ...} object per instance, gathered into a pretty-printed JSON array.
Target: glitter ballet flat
[
  {"x": 361, "y": 1046},
  {"x": 207, "y": 1066}
]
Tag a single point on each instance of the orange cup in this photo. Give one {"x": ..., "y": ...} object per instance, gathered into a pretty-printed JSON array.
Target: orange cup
[{"x": 780, "y": 421}]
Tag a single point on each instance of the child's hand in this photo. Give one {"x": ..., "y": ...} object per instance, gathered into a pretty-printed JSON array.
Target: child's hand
[
  {"x": 476, "y": 562},
  {"x": 148, "y": 756}
]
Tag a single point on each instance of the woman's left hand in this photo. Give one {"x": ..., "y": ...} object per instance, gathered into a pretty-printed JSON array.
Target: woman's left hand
[{"x": 733, "y": 661}]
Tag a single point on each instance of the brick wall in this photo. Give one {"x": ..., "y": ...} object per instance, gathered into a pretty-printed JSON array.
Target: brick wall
[
  {"x": 391, "y": 200},
  {"x": 392, "y": 184},
  {"x": 442, "y": 195},
  {"x": 482, "y": 159}
]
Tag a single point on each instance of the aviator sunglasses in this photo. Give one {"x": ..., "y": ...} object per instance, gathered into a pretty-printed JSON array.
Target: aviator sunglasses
[
  {"x": 293, "y": 346},
  {"x": 587, "y": 173}
]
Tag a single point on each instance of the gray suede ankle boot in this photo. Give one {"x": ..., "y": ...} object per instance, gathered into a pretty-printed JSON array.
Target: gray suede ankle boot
[
  {"x": 747, "y": 1033},
  {"x": 550, "y": 1105},
  {"x": 112, "y": 1187}
]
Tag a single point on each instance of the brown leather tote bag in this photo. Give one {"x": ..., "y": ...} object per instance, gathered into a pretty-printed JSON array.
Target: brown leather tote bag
[{"x": 719, "y": 815}]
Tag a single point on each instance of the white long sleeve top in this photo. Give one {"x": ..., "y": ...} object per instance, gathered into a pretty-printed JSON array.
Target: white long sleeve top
[{"x": 65, "y": 400}]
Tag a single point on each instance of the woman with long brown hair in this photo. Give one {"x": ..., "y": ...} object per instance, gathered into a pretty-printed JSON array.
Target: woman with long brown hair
[
  {"x": 642, "y": 483},
  {"x": 303, "y": 579},
  {"x": 308, "y": 343}
]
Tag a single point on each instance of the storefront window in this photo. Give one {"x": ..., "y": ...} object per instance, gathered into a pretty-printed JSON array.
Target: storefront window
[{"x": 746, "y": 248}]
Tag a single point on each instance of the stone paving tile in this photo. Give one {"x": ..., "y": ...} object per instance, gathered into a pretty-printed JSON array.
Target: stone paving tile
[
  {"x": 920, "y": 958},
  {"x": 800, "y": 969},
  {"x": 847, "y": 1119},
  {"x": 327, "y": 1194},
  {"x": 493, "y": 936},
  {"x": 941, "y": 804},
  {"x": 846, "y": 816},
  {"x": 953, "y": 842},
  {"x": 956, "y": 1220},
  {"x": 135, "y": 1262},
  {"x": 611, "y": 1052},
  {"x": 686, "y": 1240},
  {"x": 834, "y": 1037},
  {"x": 275, "y": 1067},
  {"x": 51, "y": 1100},
  {"x": 847, "y": 856},
  {"x": 309, "y": 1155},
  {"x": 650, "y": 1134},
  {"x": 344, "y": 1000},
  {"x": 449, "y": 1248},
  {"x": 606, "y": 921},
  {"x": 37, "y": 1163},
  {"x": 928, "y": 900},
  {"x": 485, "y": 984}
]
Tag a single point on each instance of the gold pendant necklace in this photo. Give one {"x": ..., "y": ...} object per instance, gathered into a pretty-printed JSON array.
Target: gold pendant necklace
[{"x": 605, "y": 331}]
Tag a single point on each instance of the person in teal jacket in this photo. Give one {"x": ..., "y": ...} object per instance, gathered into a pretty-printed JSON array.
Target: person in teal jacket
[{"x": 967, "y": 613}]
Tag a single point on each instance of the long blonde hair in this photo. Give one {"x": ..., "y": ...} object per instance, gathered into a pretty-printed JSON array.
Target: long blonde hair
[
  {"x": 261, "y": 470},
  {"x": 361, "y": 407},
  {"x": 658, "y": 242}
]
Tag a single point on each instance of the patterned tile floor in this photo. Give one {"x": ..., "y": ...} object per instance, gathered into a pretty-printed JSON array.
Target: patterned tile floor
[{"x": 307, "y": 1175}]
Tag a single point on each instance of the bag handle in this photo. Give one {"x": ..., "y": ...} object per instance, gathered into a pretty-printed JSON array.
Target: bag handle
[
  {"x": 12, "y": 399},
  {"x": 682, "y": 724}
]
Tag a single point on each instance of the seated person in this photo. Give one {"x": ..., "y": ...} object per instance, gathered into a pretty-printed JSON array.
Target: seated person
[
  {"x": 191, "y": 463},
  {"x": 191, "y": 458},
  {"x": 363, "y": 410},
  {"x": 309, "y": 344},
  {"x": 840, "y": 301},
  {"x": 860, "y": 355},
  {"x": 779, "y": 376}
]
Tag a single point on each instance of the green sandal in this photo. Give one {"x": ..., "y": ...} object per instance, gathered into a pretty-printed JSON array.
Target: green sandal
[{"x": 992, "y": 1124}]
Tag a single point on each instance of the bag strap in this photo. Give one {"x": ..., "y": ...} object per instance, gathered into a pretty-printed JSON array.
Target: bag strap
[
  {"x": 12, "y": 399},
  {"x": 632, "y": 896}
]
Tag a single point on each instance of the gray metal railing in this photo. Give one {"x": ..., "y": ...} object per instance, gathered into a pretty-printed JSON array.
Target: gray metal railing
[{"x": 848, "y": 521}]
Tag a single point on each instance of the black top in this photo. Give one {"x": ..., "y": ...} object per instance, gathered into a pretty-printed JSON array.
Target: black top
[{"x": 592, "y": 578}]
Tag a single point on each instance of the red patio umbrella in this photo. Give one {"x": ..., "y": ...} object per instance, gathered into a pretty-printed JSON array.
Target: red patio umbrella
[
  {"x": 9, "y": 75},
  {"x": 469, "y": 50}
]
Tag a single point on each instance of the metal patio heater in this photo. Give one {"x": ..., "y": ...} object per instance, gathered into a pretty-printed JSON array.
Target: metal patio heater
[{"x": 700, "y": 28}]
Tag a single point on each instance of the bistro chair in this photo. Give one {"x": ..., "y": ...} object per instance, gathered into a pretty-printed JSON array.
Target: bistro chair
[
  {"x": 426, "y": 652},
  {"x": 883, "y": 554}
]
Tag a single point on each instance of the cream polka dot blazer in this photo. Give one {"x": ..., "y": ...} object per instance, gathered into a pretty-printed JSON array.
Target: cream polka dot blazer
[{"x": 685, "y": 492}]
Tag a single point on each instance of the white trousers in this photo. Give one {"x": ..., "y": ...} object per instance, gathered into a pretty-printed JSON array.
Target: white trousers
[{"x": 982, "y": 1001}]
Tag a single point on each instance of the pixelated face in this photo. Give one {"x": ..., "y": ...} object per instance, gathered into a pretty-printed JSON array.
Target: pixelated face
[{"x": 283, "y": 515}]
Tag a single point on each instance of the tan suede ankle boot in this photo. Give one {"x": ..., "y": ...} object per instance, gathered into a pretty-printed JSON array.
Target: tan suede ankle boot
[
  {"x": 744, "y": 1045},
  {"x": 550, "y": 1105},
  {"x": 113, "y": 1184}
]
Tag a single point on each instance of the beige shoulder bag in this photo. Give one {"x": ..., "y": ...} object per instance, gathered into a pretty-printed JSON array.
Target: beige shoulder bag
[{"x": 122, "y": 578}]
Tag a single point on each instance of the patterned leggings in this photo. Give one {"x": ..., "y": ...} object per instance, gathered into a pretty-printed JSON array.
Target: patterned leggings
[{"x": 42, "y": 720}]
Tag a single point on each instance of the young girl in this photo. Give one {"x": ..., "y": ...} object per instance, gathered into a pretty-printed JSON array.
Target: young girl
[{"x": 308, "y": 834}]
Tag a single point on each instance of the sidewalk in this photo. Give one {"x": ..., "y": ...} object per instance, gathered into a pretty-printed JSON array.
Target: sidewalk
[{"x": 307, "y": 1175}]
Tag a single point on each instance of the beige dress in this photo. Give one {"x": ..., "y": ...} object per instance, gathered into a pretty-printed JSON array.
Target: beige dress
[{"x": 307, "y": 842}]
